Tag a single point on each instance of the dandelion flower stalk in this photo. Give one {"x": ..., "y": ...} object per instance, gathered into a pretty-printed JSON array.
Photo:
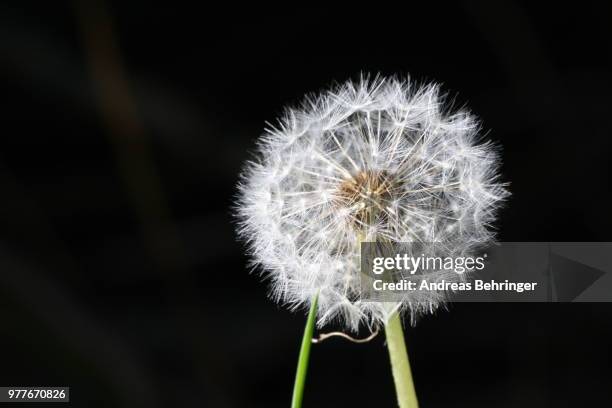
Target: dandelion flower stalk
[
  {"x": 302, "y": 367},
  {"x": 400, "y": 364},
  {"x": 374, "y": 160}
]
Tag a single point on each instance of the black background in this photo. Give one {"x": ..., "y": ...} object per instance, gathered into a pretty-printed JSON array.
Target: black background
[{"x": 124, "y": 129}]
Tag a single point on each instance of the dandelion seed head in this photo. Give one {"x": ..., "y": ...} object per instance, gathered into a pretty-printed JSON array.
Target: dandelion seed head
[{"x": 375, "y": 159}]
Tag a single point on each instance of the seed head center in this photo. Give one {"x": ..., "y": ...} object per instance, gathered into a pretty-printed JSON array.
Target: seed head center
[{"x": 366, "y": 193}]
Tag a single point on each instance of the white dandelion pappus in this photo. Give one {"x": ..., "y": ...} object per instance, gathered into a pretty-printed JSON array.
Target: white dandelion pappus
[{"x": 370, "y": 160}]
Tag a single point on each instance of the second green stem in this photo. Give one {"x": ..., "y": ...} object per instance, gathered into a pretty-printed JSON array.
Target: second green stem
[{"x": 400, "y": 365}]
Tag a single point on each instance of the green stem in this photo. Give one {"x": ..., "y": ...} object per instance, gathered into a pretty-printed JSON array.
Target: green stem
[
  {"x": 400, "y": 365},
  {"x": 302, "y": 367}
]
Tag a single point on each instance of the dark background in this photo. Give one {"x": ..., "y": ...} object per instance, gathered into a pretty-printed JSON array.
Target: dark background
[{"x": 124, "y": 129}]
